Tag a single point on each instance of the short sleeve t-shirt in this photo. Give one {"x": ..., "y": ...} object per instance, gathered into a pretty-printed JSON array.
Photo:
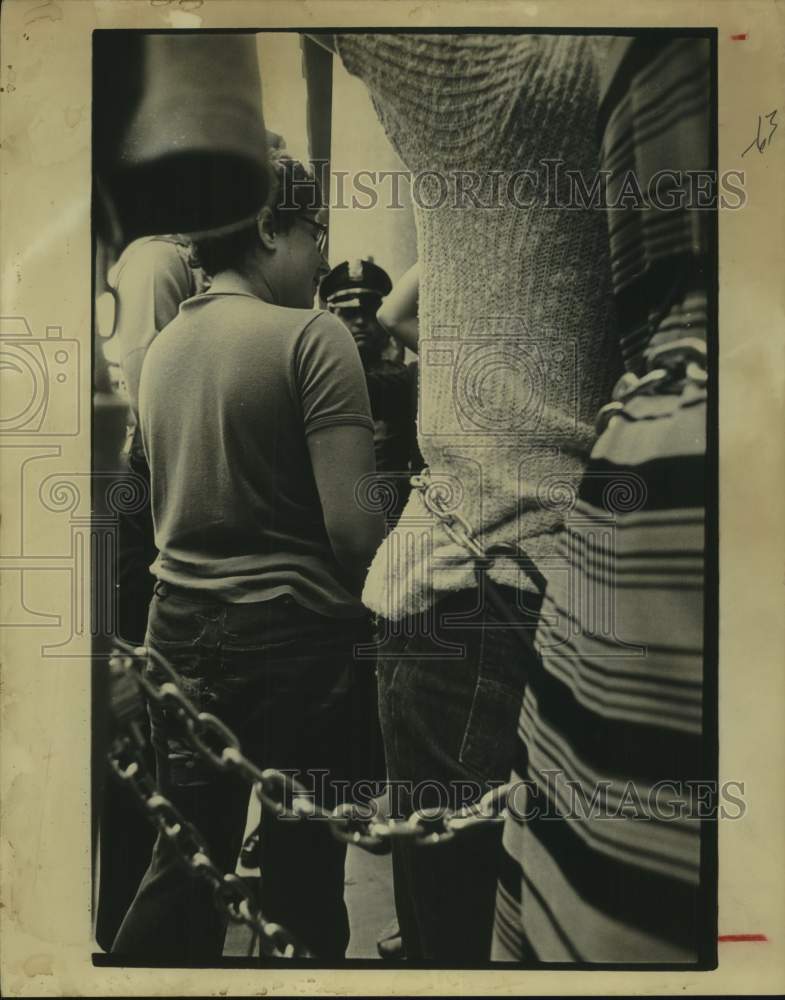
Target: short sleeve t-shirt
[
  {"x": 151, "y": 278},
  {"x": 230, "y": 391}
]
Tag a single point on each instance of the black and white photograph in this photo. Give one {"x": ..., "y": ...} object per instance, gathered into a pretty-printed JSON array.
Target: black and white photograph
[
  {"x": 389, "y": 570},
  {"x": 411, "y": 333}
]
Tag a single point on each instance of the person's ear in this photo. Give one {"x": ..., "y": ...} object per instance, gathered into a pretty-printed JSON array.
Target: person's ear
[{"x": 266, "y": 229}]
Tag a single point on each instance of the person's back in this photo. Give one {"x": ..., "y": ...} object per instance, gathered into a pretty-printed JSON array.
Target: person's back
[
  {"x": 229, "y": 395},
  {"x": 257, "y": 427}
]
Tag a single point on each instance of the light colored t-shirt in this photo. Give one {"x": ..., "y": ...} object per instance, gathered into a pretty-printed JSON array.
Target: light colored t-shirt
[
  {"x": 230, "y": 391},
  {"x": 150, "y": 279}
]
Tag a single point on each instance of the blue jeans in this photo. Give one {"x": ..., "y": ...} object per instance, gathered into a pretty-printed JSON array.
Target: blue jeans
[
  {"x": 286, "y": 681},
  {"x": 451, "y": 684}
]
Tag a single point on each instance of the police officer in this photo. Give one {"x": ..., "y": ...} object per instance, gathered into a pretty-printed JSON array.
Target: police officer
[{"x": 354, "y": 290}]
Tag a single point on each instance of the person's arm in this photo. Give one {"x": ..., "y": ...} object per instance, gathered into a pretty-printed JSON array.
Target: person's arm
[
  {"x": 341, "y": 456},
  {"x": 331, "y": 386},
  {"x": 398, "y": 313}
]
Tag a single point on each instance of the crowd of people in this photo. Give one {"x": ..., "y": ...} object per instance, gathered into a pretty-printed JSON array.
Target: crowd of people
[{"x": 377, "y": 545}]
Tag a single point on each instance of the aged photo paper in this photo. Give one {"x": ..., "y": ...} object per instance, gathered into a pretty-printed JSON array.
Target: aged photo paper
[{"x": 59, "y": 502}]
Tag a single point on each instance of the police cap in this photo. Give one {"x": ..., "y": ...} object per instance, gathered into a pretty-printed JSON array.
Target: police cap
[{"x": 352, "y": 284}]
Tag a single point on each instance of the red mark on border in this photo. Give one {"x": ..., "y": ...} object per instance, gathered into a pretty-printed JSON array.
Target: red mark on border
[
  {"x": 739, "y": 38},
  {"x": 742, "y": 937}
]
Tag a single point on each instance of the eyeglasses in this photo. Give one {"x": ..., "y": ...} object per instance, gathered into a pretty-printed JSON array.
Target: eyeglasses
[{"x": 320, "y": 237}]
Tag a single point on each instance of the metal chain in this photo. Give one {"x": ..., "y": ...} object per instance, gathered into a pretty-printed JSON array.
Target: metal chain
[
  {"x": 425, "y": 827},
  {"x": 279, "y": 792},
  {"x": 676, "y": 361},
  {"x": 351, "y": 822},
  {"x": 461, "y": 532},
  {"x": 232, "y": 896},
  {"x": 455, "y": 525}
]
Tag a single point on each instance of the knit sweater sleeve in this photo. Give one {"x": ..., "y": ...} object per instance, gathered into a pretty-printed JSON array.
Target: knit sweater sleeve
[{"x": 446, "y": 101}]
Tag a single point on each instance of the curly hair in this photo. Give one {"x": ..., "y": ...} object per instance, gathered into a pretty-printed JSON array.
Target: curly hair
[{"x": 295, "y": 191}]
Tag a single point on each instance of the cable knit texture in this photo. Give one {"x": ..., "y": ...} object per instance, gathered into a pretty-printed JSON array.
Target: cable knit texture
[{"x": 517, "y": 340}]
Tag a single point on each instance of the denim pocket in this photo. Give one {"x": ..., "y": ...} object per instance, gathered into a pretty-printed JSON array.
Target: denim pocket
[
  {"x": 174, "y": 622},
  {"x": 488, "y": 745},
  {"x": 167, "y": 730}
]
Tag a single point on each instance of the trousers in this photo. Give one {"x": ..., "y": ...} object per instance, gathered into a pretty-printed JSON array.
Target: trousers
[
  {"x": 451, "y": 682},
  {"x": 286, "y": 680},
  {"x": 126, "y": 837}
]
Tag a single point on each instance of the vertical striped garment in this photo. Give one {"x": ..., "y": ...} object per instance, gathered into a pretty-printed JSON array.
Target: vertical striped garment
[{"x": 602, "y": 841}]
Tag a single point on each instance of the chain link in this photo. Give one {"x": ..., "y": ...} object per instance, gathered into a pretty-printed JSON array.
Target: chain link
[
  {"x": 233, "y": 897},
  {"x": 461, "y": 532},
  {"x": 677, "y": 360},
  {"x": 455, "y": 525},
  {"x": 278, "y": 791},
  {"x": 425, "y": 827}
]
